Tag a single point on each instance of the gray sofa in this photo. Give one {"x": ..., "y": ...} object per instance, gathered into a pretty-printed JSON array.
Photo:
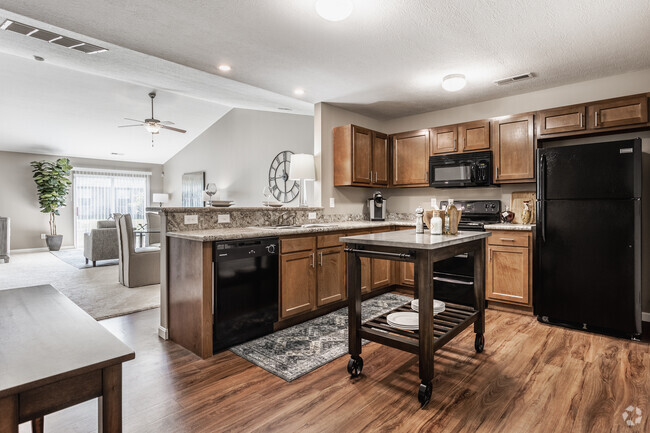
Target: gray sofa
[{"x": 101, "y": 243}]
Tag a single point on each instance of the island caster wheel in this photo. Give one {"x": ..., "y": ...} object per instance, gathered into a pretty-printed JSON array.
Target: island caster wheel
[
  {"x": 355, "y": 366},
  {"x": 424, "y": 393},
  {"x": 479, "y": 343}
]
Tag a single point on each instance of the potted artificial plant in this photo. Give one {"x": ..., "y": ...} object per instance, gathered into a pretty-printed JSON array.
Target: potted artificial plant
[{"x": 52, "y": 182}]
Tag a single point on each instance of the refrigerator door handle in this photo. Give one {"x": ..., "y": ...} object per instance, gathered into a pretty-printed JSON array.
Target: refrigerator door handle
[{"x": 542, "y": 194}]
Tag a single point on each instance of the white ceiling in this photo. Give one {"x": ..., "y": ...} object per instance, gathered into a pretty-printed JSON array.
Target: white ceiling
[
  {"x": 388, "y": 58},
  {"x": 50, "y": 110}
]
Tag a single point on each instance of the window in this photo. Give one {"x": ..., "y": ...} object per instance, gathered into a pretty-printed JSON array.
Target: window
[{"x": 98, "y": 194}]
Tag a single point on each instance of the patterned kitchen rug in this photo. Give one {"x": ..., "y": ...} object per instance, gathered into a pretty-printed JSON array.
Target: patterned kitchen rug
[{"x": 295, "y": 351}]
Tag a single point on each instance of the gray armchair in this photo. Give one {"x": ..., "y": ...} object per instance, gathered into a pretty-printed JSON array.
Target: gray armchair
[
  {"x": 101, "y": 243},
  {"x": 153, "y": 224},
  {"x": 138, "y": 266}
]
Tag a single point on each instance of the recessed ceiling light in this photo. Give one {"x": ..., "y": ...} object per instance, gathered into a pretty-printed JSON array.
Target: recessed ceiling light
[
  {"x": 284, "y": 108},
  {"x": 117, "y": 153},
  {"x": 334, "y": 10},
  {"x": 224, "y": 68},
  {"x": 38, "y": 58},
  {"x": 299, "y": 92},
  {"x": 453, "y": 82}
]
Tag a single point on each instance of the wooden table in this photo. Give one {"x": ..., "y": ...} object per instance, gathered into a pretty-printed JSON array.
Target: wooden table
[
  {"x": 433, "y": 333},
  {"x": 54, "y": 355}
]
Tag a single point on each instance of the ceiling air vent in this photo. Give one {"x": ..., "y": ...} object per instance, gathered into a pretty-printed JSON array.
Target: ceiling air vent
[
  {"x": 514, "y": 79},
  {"x": 50, "y": 37}
]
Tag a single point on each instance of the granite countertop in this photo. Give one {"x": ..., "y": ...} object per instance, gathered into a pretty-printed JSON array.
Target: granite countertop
[
  {"x": 408, "y": 239},
  {"x": 514, "y": 227},
  {"x": 256, "y": 232}
]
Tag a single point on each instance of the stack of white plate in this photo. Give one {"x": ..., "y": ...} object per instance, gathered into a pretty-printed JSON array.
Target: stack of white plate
[
  {"x": 403, "y": 320},
  {"x": 438, "y": 306},
  {"x": 272, "y": 203}
]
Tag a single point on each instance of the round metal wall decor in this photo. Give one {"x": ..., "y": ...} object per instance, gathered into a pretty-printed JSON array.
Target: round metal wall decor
[{"x": 283, "y": 189}]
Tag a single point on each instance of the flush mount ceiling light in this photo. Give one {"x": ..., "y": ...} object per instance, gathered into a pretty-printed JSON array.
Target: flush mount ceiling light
[
  {"x": 334, "y": 10},
  {"x": 453, "y": 82},
  {"x": 224, "y": 68},
  {"x": 299, "y": 92}
]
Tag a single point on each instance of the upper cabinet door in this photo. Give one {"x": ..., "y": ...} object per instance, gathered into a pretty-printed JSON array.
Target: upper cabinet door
[
  {"x": 514, "y": 149},
  {"x": 618, "y": 112},
  {"x": 565, "y": 119},
  {"x": 361, "y": 155},
  {"x": 411, "y": 158},
  {"x": 444, "y": 139},
  {"x": 380, "y": 158},
  {"x": 474, "y": 135}
]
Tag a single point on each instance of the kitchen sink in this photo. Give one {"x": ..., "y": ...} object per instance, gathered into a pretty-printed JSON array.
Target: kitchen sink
[{"x": 289, "y": 227}]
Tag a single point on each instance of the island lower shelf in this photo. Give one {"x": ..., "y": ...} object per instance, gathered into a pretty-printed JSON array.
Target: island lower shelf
[{"x": 446, "y": 325}]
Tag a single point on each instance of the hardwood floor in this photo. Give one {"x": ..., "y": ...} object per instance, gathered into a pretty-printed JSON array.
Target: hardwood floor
[{"x": 530, "y": 378}]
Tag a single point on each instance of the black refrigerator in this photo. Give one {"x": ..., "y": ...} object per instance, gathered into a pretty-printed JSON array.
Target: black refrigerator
[{"x": 588, "y": 237}]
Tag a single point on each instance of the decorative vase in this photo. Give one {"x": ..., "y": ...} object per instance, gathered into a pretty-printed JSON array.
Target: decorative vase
[
  {"x": 525, "y": 213},
  {"x": 54, "y": 242}
]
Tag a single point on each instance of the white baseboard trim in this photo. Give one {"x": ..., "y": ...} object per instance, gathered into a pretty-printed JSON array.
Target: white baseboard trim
[
  {"x": 645, "y": 317},
  {"x": 38, "y": 250},
  {"x": 163, "y": 333}
]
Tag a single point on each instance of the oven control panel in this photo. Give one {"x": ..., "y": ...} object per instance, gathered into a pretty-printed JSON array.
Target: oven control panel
[{"x": 483, "y": 207}]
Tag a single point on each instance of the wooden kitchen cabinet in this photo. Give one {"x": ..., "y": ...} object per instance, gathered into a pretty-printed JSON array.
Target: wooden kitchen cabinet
[
  {"x": 509, "y": 268},
  {"x": 330, "y": 286},
  {"x": 513, "y": 145},
  {"x": 410, "y": 158},
  {"x": 464, "y": 137},
  {"x": 298, "y": 283},
  {"x": 405, "y": 270},
  {"x": 381, "y": 270},
  {"x": 474, "y": 136},
  {"x": 618, "y": 112},
  {"x": 360, "y": 157},
  {"x": 444, "y": 139},
  {"x": 566, "y": 119}
]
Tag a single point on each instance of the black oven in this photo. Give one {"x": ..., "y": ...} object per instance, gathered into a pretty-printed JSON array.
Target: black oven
[{"x": 461, "y": 170}]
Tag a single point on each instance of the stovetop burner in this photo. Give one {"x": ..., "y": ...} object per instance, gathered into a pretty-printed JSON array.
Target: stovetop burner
[{"x": 477, "y": 213}]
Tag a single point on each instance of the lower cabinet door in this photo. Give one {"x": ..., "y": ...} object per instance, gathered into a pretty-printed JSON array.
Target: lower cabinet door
[
  {"x": 407, "y": 273},
  {"x": 366, "y": 275},
  {"x": 508, "y": 274},
  {"x": 331, "y": 275},
  {"x": 380, "y": 273},
  {"x": 298, "y": 283}
]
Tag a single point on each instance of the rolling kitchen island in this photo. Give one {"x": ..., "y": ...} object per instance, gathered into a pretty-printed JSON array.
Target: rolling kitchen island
[{"x": 434, "y": 332}]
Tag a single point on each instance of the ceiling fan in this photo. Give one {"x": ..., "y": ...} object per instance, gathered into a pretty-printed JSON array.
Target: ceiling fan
[{"x": 153, "y": 125}]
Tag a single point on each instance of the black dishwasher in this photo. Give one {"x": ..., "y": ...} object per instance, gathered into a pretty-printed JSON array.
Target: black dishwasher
[{"x": 245, "y": 290}]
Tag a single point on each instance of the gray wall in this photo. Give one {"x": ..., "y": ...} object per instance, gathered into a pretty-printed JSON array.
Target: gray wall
[
  {"x": 18, "y": 196},
  {"x": 352, "y": 199},
  {"x": 236, "y": 152}
]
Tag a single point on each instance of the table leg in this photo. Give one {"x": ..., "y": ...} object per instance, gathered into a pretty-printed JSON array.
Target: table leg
[
  {"x": 355, "y": 365},
  {"x": 38, "y": 425},
  {"x": 9, "y": 414},
  {"x": 424, "y": 286},
  {"x": 110, "y": 403},
  {"x": 479, "y": 296}
]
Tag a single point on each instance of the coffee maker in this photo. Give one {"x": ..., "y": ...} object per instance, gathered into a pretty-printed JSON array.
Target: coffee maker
[{"x": 377, "y": 207}]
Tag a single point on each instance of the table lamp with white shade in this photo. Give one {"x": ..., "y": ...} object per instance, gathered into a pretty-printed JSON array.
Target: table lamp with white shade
[
  {"x": 160, "y": 198},
  {"x": 302, "y": 168}
]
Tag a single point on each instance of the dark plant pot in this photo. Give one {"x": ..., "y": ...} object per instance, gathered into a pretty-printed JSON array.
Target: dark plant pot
[{"x": 54, "y": 242}]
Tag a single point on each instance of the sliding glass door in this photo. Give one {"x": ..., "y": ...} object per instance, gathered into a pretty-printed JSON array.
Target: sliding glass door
[{"x": 98, "y": 194}]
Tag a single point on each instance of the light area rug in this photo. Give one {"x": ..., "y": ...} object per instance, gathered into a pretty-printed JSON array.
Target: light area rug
[
  {"x": 97, "y": 291},
  {"x": 295, "y": 351},
  {"x": 76, "y": 258}
]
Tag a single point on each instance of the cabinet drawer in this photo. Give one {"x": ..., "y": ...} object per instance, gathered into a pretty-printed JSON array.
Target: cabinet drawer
[
  {"x": 324, "y": 241},
  {"x": 297, "y": 244},
  {"x": 509, "y": 239}
]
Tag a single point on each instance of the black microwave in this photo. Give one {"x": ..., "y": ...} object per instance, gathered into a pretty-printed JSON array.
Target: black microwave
[{"x": 461, "y": 170}]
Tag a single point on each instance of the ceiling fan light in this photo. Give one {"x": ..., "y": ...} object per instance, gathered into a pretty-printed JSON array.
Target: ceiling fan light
[
  {"x": 453, "y": 82},
  {"x": 152, "y": 127},
  {"x": 334, "y": 10}
]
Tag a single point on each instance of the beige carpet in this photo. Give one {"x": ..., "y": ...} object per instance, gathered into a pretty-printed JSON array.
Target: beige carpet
[{"x": 97, "y": 290}]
